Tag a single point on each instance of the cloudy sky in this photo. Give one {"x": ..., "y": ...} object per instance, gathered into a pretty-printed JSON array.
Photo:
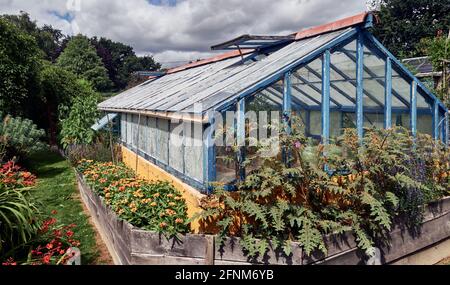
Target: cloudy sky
[{"x": 181, "y": 30}]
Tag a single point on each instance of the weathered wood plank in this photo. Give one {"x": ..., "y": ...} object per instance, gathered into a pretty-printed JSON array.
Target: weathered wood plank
[
  {"x": 233, "y": 251},
  {"x": 142, "y": 259},
  {"x": 154, "y": 243}
]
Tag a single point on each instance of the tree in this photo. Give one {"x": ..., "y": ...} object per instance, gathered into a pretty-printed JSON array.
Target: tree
[
  {"x": 81, "y": 58},
  {"x": 58, "y": 88},
  {"x": 405, "y": 23},
  {"x": 76, "y": 126},
  {"x": 438, "y": 50},
  {"x": 121, "y": 61},
  {"x": 49, "y": 39},
  {"x": 19, "y": 68}
]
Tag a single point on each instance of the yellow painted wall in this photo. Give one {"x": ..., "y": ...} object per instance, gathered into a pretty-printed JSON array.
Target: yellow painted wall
[{"x": 149, "y": 171}]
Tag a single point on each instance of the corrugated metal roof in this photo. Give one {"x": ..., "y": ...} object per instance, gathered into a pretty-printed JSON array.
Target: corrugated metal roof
[{"x": 214, "y": 83}]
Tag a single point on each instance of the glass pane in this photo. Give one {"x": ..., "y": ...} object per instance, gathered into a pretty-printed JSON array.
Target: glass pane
[
  {"x": 374, "y": 89},
  {"x": 307, "y": 98},
  {"x": 123, "y": 127},
  {"x": 263, "y": 113},
  {"x": 424, "y": 114},
  {"x": 226, "y": 163},
  {"x": 129, "y": 128},
  {"x": 343, "y": 89},
  {"x": 401, "y": 90},
  {"x": 441, "y": 126}
]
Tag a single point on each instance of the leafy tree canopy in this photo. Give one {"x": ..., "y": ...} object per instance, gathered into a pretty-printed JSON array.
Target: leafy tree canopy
[
  {"x": 121, "y": 61},
  {"x": 48, "y": 38},
  {"x": 405, "y": 23},
  {"x": 81, "y": 58},
  {"x": 19, "y": 66}
]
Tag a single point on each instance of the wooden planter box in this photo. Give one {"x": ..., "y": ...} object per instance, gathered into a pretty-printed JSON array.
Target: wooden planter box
[{"x": 129, "y": 245}]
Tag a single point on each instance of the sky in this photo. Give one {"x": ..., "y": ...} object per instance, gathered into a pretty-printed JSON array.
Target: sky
[{"x": 176, "y": 31}]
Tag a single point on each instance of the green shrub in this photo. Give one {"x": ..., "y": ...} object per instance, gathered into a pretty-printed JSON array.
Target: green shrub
[
  {"x": 19, "y": 137},
  {"x": 155, "y": 206},
  {"x": 99, "y": 151}
]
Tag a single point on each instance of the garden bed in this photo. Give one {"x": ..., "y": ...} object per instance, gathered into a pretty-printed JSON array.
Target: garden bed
[{"x": 130, "y": 245}]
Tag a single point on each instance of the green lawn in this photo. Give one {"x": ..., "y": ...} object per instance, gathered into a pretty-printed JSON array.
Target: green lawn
[{"x": 56, "y": 190}]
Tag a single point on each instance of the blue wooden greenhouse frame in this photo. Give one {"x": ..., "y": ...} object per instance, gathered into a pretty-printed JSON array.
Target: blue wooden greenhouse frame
[{"x": 164, "y": 103}]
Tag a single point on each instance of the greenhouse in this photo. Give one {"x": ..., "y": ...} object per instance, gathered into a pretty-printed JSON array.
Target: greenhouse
[{"x": 331, "y": 77}]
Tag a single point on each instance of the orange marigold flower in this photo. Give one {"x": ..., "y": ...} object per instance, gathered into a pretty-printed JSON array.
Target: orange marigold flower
[
  {"x": 162, "y": 225},
  {"x": 153, "y": 204},
  {"x": 179, "y": 221},
  {"x": 156, "y": 195},
  {"x": 171, "y": 212}
]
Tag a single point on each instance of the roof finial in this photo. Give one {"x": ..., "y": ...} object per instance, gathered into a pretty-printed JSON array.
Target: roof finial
[{"x": 373, "y": 5}]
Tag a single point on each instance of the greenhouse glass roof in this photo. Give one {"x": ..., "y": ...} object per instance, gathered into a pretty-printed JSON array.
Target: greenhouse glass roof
[{"x": 319, "y": 61}]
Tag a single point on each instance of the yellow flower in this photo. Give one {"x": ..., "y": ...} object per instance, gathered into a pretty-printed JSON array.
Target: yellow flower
[{"x": 153, "y": 204}]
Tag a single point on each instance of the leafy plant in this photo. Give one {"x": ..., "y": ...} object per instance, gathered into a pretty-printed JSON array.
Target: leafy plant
[
  {"x": 153, "y": 206},
  {"x": 17, "y": 219},
  {"x": 100, "y": 150},
  {"x": 330, "y": 189},
  {"x": 76, "y": 127},
  {"x": 12, "y": 177},
  {"x": 438, "y": 50},
  {"x": 50, "y": 246},
  {"x": 19, "y": 137}
]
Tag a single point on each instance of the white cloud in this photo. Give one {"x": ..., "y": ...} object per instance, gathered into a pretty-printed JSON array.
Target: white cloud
[{"x": 187, "y": 30}]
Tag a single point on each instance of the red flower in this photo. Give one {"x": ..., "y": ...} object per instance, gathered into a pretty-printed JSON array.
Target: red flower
[
  {"x": 49, "y": 246},
  {"x": 54, "y": 212},
  {"x": 46, "y": 259},
  {"x": 69, "y": 234},
  {"x": 9, "y": 262}
]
